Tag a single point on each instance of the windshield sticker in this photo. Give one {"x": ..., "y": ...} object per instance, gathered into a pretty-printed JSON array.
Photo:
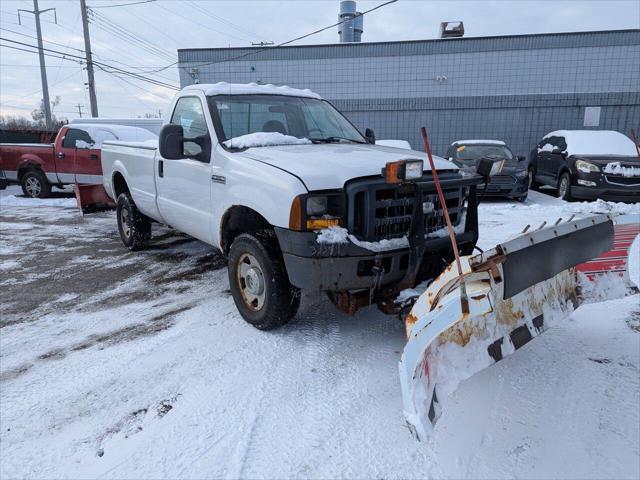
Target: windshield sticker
[{"x": 223, "y": 106}]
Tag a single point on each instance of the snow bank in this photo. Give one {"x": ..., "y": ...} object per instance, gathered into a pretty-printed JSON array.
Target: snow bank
[
  {"x": 265, "y": 139},
  {"x": 602, "y": 206},
  {"x": 224, "y": 88},
  {"x": 616, "y": 168},
  {"x": 595, "y": 142}
]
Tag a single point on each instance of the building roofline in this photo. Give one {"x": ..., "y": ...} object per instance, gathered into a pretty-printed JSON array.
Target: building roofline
[{"x": 409, "y": 42}]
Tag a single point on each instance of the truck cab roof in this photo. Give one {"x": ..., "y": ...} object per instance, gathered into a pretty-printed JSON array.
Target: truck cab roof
[{"x": 224, "y": 88}]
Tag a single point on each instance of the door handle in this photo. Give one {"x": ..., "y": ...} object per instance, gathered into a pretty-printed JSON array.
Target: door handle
[
  {"x": 60, "y": 155},
  {"x": 160, "y": 168},
  {"x": 93, "y": 156}
]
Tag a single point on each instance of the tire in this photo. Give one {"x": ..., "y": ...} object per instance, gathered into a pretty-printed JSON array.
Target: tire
[
  {"x": 259, "y": 283},
  {"x": 134, "y": 227},
  {"x": 35, "y": 184},
  {"x": 564, "y": 187},
  {"x": 533, "y": 185}
]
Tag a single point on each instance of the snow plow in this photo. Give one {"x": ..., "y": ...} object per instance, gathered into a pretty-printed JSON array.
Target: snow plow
[
  {"x": 467, "y": 320},
  {"x": 91, "y": 198}
]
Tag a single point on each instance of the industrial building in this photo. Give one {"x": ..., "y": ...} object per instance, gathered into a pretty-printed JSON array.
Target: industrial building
[{"x": 514, "y": 88}]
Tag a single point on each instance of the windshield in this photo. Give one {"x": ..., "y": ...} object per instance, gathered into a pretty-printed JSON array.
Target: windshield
[
  {"x": 469, "y": 154},
  {"x": 297, "y": 117}
]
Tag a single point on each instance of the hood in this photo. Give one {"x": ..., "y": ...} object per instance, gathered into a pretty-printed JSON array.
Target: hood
[{"x": 329, "y": 166}]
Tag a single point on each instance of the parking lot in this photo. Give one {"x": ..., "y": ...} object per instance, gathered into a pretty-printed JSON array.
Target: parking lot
[{"x": 120, "y": 364}]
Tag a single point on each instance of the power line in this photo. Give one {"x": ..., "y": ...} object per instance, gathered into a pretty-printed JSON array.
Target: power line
[
  {"x": 124, "y": 4},
  {"x": 255, "y": 52},
  {"x": 102, "y": 64}
]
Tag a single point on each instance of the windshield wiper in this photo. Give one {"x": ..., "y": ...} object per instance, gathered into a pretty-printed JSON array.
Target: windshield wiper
[{"x": 334, "y": 139}]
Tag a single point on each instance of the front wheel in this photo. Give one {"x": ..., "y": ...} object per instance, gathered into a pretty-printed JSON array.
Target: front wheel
[
  {"x": 564, "y": 187},
  {"x": 533, "y": 185},
  {"x": 35, "y": 185},
  {"x": 259, "y": 282},
  {"x": 134, "y": 227}
]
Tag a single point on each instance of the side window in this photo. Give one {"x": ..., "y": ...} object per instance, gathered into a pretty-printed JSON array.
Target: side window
[
  {"x": 561, "y": 143},
  {"x": 190, "y": 115},
  {"x": 77, "y": 138},
  {"x": 101, "y": 135}
]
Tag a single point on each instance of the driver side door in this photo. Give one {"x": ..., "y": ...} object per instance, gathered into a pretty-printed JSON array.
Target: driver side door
[{"x": 184, "y": 186}]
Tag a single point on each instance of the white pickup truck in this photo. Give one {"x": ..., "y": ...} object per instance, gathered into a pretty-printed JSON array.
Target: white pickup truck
[{"x": 293, "y": 195}]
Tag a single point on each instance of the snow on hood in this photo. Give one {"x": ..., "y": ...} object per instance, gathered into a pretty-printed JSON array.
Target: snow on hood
[
  {"x": 327, "y": 166},
  {"x": 264, "y": 139},
  {"x": 595, "y": 142},
  {"x": 224, "y": 88}
]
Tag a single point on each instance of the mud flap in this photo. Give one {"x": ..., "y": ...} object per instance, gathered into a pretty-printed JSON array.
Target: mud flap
[
  {"x": 92, "y": 198},
  {"x": 515, "y": 292}
]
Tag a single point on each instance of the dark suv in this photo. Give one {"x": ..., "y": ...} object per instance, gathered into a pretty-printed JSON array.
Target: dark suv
[
  {"x": 512, "y": 182},
  {"x": 587, "y": 164}
]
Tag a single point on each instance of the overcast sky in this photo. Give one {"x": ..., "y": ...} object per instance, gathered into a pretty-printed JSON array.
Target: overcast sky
[{"x": 167, "y": 25}]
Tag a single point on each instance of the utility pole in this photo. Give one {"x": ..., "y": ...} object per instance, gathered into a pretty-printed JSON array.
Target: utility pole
[
  {"x": 43, "y": 68},
  {"x": 87, "y": 51},
  {"x": 80, "y": 109}
]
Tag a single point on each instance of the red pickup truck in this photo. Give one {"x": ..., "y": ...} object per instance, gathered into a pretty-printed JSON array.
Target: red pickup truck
[{"x": 74, "y": 157}]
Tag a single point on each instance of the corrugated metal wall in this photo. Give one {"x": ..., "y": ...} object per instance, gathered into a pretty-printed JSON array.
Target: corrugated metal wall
[{"x": 513, "y": 88}]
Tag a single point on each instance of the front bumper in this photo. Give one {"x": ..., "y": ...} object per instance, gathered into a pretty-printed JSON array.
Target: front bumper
[
  {"x": 346, "y": 266},
  {"x": 606, "y": 187}
]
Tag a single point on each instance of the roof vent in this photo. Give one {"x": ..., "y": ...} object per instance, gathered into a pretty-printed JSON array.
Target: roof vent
[{"x": 452, "y": 29}]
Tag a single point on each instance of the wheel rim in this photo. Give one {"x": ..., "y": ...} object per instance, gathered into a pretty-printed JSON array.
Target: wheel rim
[
  {"x": 33, "y": 187},
  {"x": 251, "y": 282},
  {"x": 564, "y": 185},
  {"x": 124, "y": 222}
]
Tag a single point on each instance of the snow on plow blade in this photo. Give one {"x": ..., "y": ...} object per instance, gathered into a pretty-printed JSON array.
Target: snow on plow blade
[
  {"x": 92, "y": 198},
  {"x": 515, "y": 291}
]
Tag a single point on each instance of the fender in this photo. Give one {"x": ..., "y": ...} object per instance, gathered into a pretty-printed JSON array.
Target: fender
[{"x": 272, "y": 199}]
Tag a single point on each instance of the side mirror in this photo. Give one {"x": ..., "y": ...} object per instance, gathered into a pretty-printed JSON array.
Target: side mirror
[
  {"x": 521, "y": 158},
  {"x": 487, "y": 168},
  {"x": 370, "y": 136},
  {"x": 171, "y": 142}
]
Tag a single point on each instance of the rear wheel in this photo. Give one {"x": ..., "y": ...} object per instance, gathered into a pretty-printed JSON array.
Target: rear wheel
[
  {"x": 35, "y": 185},
  {"x": 564, "y": 187},
  {"x": 134, "y": 227},
  {"x": 259, "y": 282}
]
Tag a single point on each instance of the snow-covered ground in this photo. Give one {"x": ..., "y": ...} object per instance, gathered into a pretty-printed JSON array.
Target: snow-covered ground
[{"x": 136, "y": 365}]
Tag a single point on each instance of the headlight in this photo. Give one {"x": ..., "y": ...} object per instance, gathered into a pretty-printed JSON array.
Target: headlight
[
  {"x": 402, "y": 170},
  {"x": 317, "y": 211},
  {"x": 586, "y": 167}
]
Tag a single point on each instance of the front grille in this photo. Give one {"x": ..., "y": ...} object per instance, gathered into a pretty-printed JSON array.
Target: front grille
[
  {"x": 620, "y": 180},
  {"x": 501, "y": 180},
  {"x": 379, "y": 211}
]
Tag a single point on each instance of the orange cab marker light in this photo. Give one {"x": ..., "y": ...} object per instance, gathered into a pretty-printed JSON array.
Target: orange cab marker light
[{"x": 320, "y": 223}]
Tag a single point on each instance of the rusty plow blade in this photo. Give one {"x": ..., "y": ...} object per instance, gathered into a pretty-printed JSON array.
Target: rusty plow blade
[
  {"x": 92, "y": 198},
  {"x": 515, "y": 292}
]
